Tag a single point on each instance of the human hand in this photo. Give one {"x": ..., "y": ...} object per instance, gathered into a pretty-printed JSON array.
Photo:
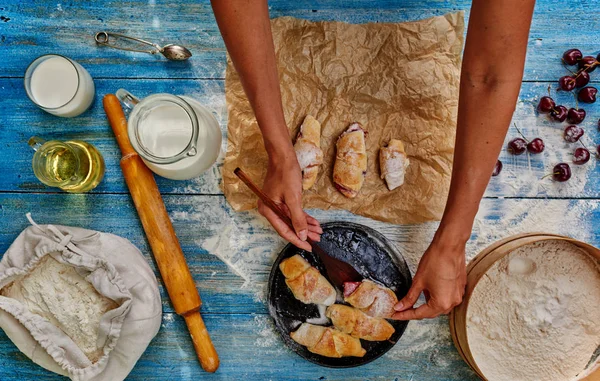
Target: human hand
[
  {"x": 283, "y": 184},
  {"x": 441, "y": 276}
]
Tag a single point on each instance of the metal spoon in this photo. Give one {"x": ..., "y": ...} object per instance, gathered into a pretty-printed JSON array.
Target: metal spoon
[{"x": 171, "y": 51}]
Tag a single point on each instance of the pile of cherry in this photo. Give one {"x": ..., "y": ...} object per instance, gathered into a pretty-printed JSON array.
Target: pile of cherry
[{"x": 559, "y": 113}]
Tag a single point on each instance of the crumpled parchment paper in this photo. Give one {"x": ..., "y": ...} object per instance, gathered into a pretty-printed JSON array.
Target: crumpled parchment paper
[{"x": 397, "y": 80}]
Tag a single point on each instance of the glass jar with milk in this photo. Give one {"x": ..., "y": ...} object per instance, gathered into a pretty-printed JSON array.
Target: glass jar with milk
[
  {"x": 59, "y": 85},
  {"x": 176, "y": 136}
]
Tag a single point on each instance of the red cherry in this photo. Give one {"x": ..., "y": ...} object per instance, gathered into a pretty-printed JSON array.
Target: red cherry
[
  {"x": 497, "y": 168},
  {"x": 575, "y": 116},
  {"x": 582, "y": 78},
  {"x": 572, "y": 56},
  {"x": 561, "y": 172},
  {"x": 566, "y": 83},
  {"x": 573, "y": 133},
  {"x": 546, "y": 105},
  {"x": 587, "y": 94},
  {"x": 559, "y": 113},
  {"x": 517, "y": 146},
  {"x": 536, "y": 146},
  {"x": 588, "y": 63},
  {"x": 581, "y": 156}
]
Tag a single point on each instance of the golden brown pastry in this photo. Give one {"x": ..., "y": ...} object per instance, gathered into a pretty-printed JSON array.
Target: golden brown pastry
[
  {"x": 358, "y": 324},
  {"x": 308, "y": 150},
  {"x": 306, "y": 282},
  {"x": 370, "y": 298},
  {"x": 327, "y": 342},
  {"x": 350, "y": 165},
  {"x": 393, "y": 162}
]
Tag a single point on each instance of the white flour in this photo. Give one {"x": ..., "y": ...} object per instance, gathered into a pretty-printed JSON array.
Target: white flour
[
  {"x": 59, "y": 294},
  {"x": 565, "y": 217},
  {"x": 534, "y": 315}
]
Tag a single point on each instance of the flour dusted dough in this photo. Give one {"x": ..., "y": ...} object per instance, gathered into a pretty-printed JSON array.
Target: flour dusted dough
[
  {"x": 308, "y": 150},
  {"x": 535, "y": 314},
  {"x": 393, "y": 162},
  {"x": 59, "y": 294}
]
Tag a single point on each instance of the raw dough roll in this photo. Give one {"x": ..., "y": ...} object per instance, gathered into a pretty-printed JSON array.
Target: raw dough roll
[
  {"x": 327, "y": 342},
  {"x": 308, "y": 151},
  {"x": 306, "y": 282},
  {"x": 350, "y": 165},
  {"x": 370, "y": 298},
  {"x": 393, "y": 162},
  {"x": 358, "y": 324}
]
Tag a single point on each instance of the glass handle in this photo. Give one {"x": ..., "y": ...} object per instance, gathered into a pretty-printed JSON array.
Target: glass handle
[
  {"x": 127, "y": 99},
  {"x": 35, "y": 143}
]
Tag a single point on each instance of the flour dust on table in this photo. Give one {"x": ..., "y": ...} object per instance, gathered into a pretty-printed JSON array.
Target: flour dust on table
[
  {"x": 563, "y": 217},
  {"x": 523, "y": 175}
]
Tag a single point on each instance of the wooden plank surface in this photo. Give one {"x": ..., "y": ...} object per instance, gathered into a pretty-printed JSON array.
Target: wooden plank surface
[
  {"x": 212, "y": 234},
  {"x": 521, "y": 177},
  {"x": 39, "y": 27},
  {"x": 235, "y": 312}
]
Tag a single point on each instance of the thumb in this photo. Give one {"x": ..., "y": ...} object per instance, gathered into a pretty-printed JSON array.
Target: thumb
[
  {"x": 294, "y": 204},
  {"x": 410, "y": 298}
]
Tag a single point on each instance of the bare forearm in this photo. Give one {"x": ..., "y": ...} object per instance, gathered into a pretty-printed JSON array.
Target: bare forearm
[
  {"x": 490, "y": 82},
  {"x": 246, "y": 30}
]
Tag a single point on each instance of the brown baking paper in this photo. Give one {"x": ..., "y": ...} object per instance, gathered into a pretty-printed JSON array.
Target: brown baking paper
[{"x": 397, "y": 80}]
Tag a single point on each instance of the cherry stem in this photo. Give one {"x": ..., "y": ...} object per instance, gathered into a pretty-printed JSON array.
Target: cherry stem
[
  {"x": 520, "y": 133},
  {"x": 548, "y": 175},
  {"x": 589, "y": 66},
  {"x": 583, "y": 144},
  {"x": 566, "y": 67},
  {"x": 549, "y": 87}
]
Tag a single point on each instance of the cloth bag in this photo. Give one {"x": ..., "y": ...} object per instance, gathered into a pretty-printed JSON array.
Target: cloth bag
[{"x": 116, "y": 269}]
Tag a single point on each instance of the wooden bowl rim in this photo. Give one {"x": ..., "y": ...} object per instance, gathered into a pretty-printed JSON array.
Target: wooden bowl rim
[{"x": 487, "y": 258}]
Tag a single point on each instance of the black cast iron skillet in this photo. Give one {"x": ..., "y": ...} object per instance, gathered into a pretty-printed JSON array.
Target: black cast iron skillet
[{"x": 372, "y": 255}]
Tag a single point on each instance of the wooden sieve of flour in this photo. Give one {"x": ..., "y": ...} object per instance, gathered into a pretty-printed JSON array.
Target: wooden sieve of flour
[{"x": 477, "y": 268}]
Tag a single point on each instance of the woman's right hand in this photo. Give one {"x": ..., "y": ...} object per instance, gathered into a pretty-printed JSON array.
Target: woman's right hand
[{"x": 283, "y": 184}]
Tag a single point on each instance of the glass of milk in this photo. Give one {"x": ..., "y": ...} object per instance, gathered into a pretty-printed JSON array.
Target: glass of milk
[
  {"x": 176, "y": 136},
  {"x": 59, "y": 85}
]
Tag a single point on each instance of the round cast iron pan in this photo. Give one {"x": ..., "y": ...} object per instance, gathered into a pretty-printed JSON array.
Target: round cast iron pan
[{"x": 371, "y": 254}]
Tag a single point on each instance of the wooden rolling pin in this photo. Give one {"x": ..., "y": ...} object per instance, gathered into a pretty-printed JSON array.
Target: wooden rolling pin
[{"x": 161, "y": 236}]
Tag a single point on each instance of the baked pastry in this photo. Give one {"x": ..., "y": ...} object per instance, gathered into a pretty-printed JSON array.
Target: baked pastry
[
  {"x": 327, "y": 342},
  {"x": 350, "y": 165},
  {"x": 308, "y": 150},
  {"x": 393, "y": 162},
  {"x": 358, "y": 324},
  {"x": 306, "y": 282},
  {"x": 370, "y": 298}
]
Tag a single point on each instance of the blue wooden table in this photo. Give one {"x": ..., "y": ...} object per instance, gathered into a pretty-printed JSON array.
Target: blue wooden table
[{"x": 209, "y": 231}]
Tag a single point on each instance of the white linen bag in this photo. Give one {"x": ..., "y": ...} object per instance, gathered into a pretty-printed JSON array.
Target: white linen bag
[{"x": 115, "y": 268}]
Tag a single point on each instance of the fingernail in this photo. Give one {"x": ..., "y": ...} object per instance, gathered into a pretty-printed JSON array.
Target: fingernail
[
  {"x": 303, "y": 235},
  {"x": 399, "y": 306}
]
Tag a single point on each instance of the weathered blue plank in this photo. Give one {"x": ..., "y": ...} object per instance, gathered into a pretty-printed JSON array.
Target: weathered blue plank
[
  {"x": 207, "y": 228},
  {"x": 38, "y": 27},
  {"x": 250, "y": 350},
  {"x": 21, "y": 119}
]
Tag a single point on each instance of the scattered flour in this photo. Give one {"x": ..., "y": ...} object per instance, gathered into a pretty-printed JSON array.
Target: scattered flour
[
  {"x": 534, "y": 315},
  {"x": 522, "y": 176},
  {"x": 266, "y": 332},
  {"x": 566, "y": 217},
  {"x": 322, "y": 319},
  {"x": 420, "y": 337},
  {"x": 59, "y": 294}
]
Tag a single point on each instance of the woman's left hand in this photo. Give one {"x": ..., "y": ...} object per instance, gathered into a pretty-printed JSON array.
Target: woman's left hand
[{"x": 442, "y": 277}]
